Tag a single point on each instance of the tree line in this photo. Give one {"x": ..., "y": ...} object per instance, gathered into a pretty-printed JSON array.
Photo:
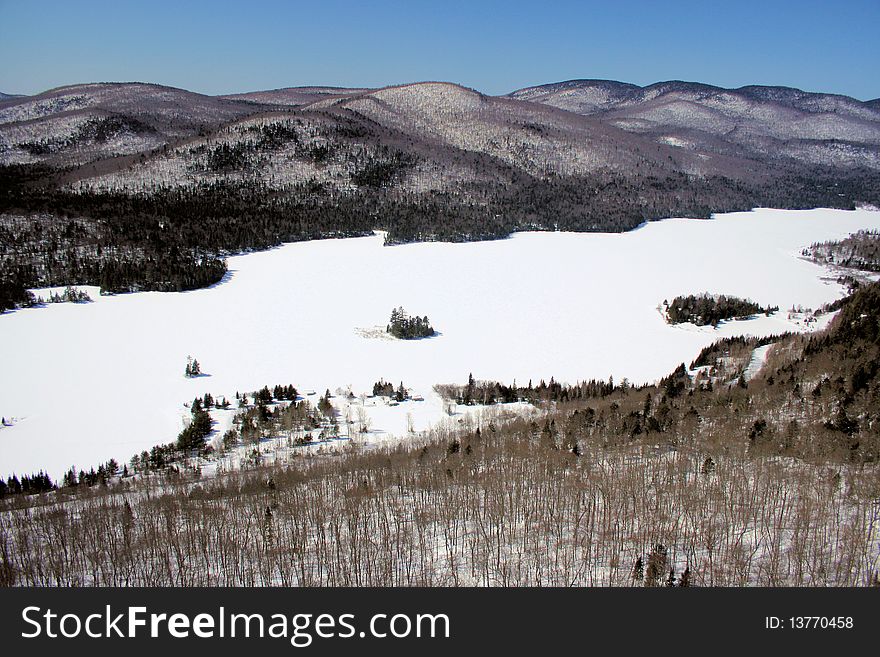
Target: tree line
[
  {"x": 404, "y": 327},
  {"x": 861, "y": 250},
  {"x": 173, "y": 239},
  {"x": 493, "y": 392},
  {"x": 630, "y": 478},
  {"x": 672, "y": 484},
  {"x": 703, "y": 309},
  {"x": 384, "y": 388}
]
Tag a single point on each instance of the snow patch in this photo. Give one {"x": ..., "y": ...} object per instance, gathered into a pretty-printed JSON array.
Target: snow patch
[
  {"x": 757, "y": 361},
  {"x": 106, "y": 379}
]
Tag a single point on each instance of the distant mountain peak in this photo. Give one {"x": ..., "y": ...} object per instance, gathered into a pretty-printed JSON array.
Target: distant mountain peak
[
  {"x": 570, "y": 127},
  {"x": 623, "y": 91}
]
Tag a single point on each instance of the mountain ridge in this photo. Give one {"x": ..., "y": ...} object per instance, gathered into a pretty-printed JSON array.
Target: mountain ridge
[
  {"x": 756, "y": 122},
  {"x": 765, "y": 91},
  {"x": 161, "y": 172}
]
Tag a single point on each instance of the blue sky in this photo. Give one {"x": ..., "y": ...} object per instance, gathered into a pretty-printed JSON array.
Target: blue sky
[{"x": 496, "y": 47}]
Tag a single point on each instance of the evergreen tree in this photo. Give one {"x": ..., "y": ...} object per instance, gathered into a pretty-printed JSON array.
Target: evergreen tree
[
  {"x": 638, "y": 572},
  {"x": 70, "y": 479},
  {"x": 268, "y": 527},
  {"x": 471, "y": 390},
  {"x": 326, "y": 406},
  {"x": 193, "y": 437},
  {"x": 685, "y": 578},
  {"x": 193, "y": 368},
  {"x": 656, "y": 565},
  {"x": 708, "y": 466},
  {"x": 402, "y": 326}
]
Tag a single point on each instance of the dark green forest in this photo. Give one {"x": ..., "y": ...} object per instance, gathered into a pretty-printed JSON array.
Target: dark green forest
[
  {"x": 173, "y": 239},
  {"x": 404, "y": 327},
  {"x": 703, "y": 309}
]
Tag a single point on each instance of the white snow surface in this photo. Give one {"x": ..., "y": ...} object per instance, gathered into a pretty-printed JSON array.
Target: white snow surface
[
  {"x": 87, "y": 382},
  {"x": 757, "y": 361}
]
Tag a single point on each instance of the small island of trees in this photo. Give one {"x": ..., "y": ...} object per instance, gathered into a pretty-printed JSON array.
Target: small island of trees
[
  {"x": 193, "y": 369},
  {"x": 703, "y": 309},
  {"x": 405, "y": 327}
]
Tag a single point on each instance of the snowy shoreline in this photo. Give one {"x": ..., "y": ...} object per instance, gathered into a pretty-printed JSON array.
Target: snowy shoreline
[{"x": 105, "y": 379}]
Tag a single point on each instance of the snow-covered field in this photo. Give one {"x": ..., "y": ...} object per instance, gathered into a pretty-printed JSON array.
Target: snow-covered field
[{"x": 82, "y": 383}]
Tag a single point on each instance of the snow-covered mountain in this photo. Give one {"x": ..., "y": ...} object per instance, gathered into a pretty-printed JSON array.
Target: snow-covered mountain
[
  {"x": 294, "y": 96},
  {"x": 754, "y": 121},
  {"x": 533, "y": 139},
  {"x": 421, "y": 161},
  {"x": 593, "y": 96},
  {"x": 436, "y": 136},
  {"x": 88, "y": 122},
  {"x": 430, "y": 136},
  {"x": 567, "y": 128}
]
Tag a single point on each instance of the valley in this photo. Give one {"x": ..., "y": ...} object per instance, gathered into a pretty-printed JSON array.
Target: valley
[
  {"x": 651, "y": 357},
  {"x": 584, "y": 306}
]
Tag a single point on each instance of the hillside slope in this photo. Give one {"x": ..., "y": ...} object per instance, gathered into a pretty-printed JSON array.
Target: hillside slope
[
  {"x": 765, "y": 123},
  {"x": 155, "y": 173},
  {"x": 691, "y": 482},
  {"x": 294, "y": 96},
  {"x": 87, "y": 122}
]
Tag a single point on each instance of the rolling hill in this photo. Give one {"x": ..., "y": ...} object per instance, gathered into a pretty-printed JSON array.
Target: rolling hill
[
  {"x": 171, "y": 176},
  {"x": 768, "y": 124}
]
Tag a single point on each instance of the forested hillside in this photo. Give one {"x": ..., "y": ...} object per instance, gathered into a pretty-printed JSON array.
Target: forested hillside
[
  {"x": 702, "y": 479},
  {"x": 141, "y": 187}
]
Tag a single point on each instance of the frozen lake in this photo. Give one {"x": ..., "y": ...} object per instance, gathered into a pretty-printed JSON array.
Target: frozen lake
[{"x": 93, "y": 381}]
